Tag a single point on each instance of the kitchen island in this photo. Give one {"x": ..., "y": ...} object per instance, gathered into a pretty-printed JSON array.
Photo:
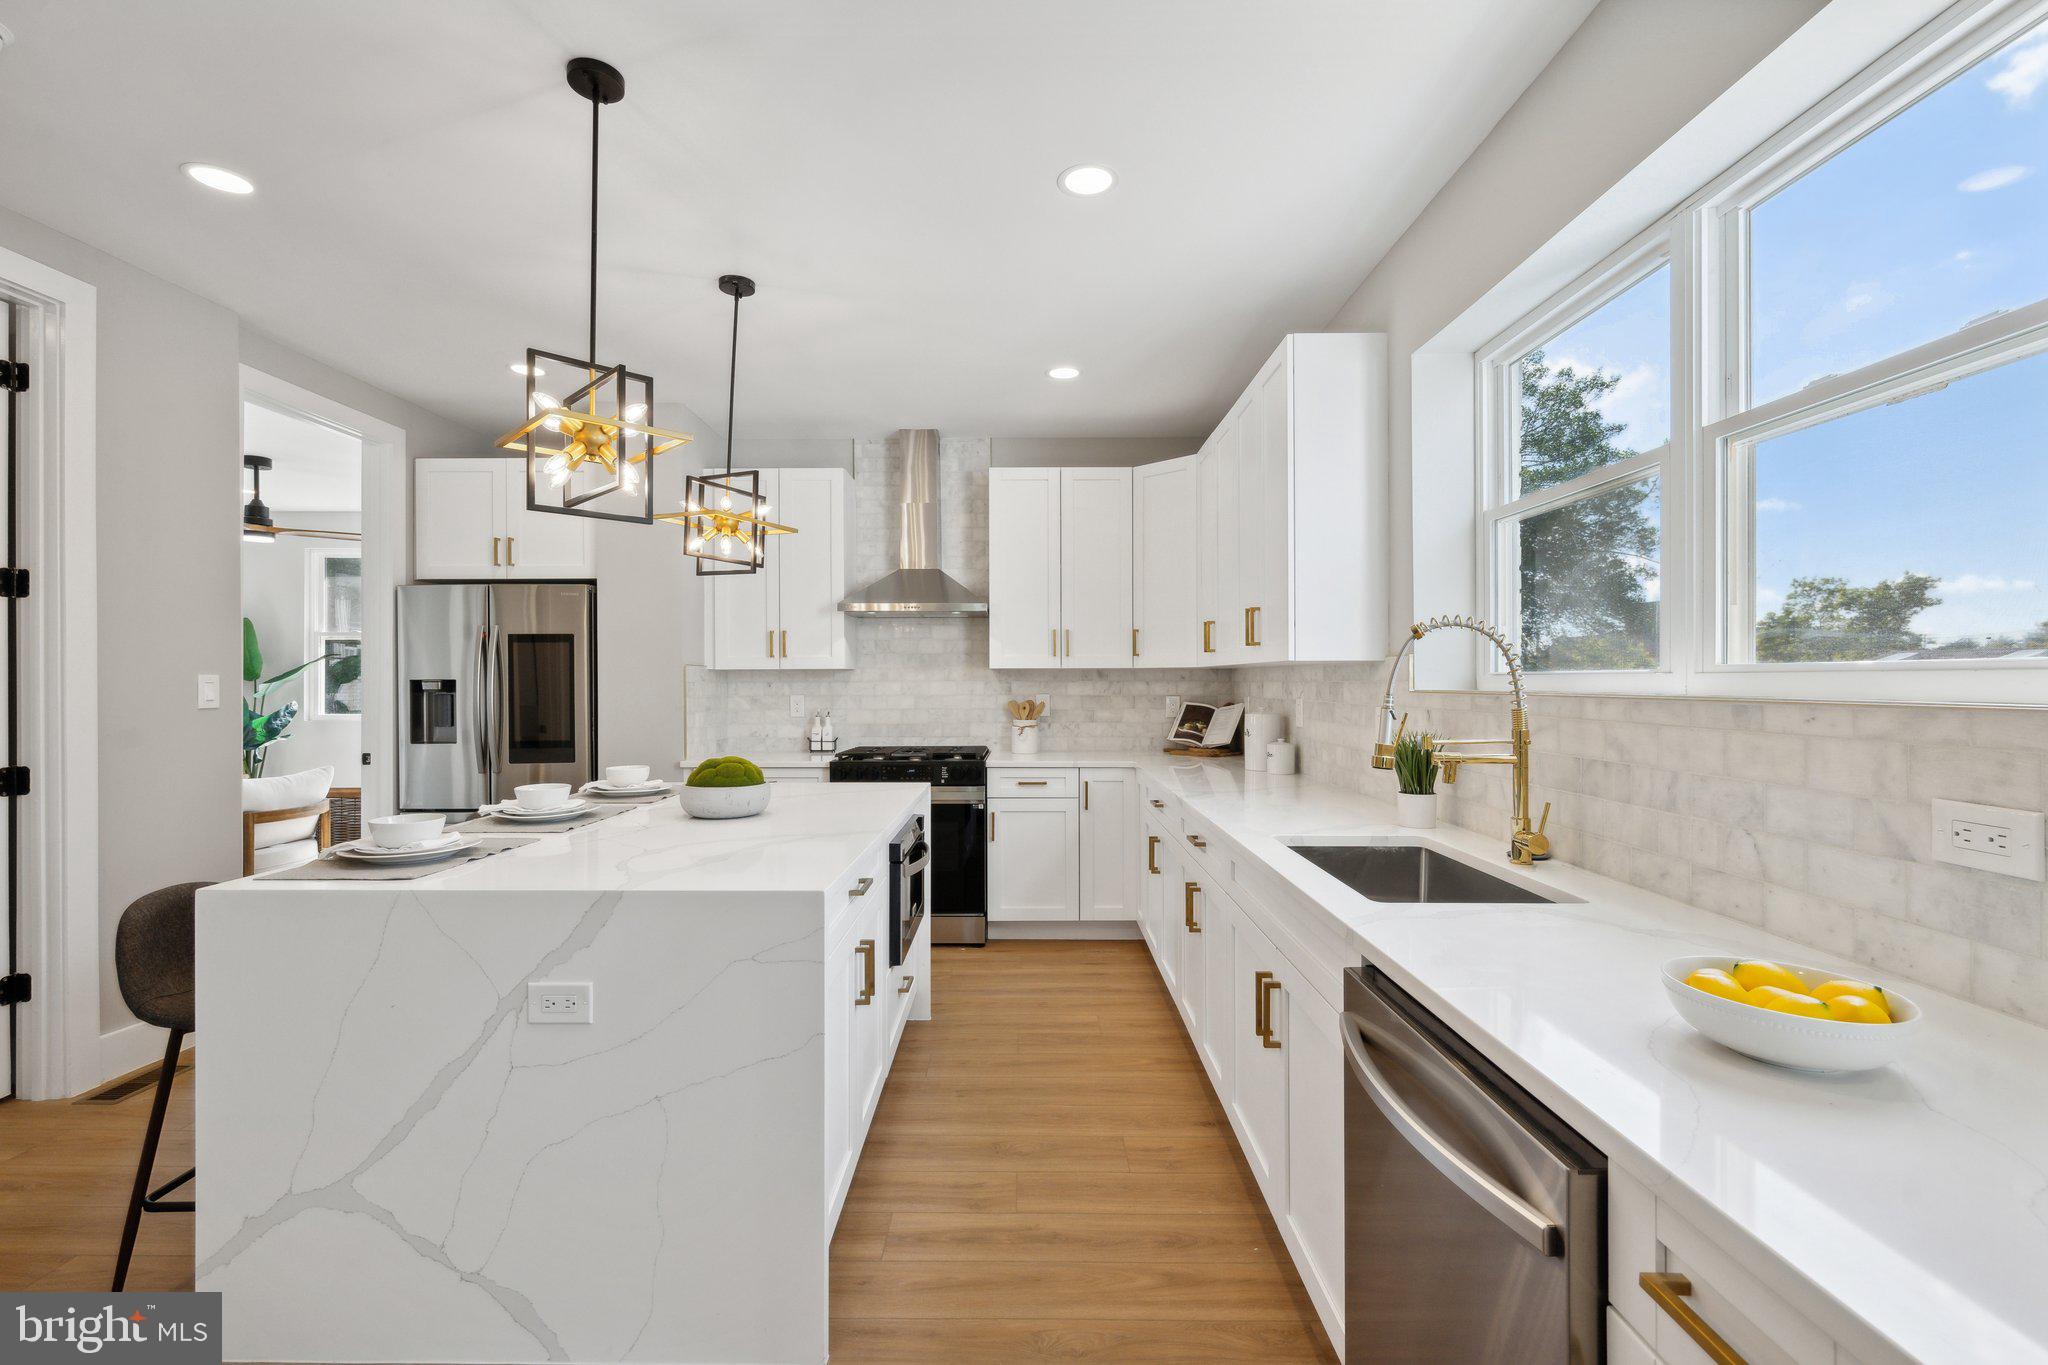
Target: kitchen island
[{"x": 400, "y": 1166}]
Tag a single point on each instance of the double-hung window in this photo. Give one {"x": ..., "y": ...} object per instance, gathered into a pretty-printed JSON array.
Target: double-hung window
[
  {"x": 336, "y": 617},
  {"x": 1794, "y": 441}
]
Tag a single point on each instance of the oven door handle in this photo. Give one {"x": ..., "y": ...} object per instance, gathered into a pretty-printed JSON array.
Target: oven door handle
[
  {"x": 917, "y": 858},
  {"x": 1525, "y": 1221}
]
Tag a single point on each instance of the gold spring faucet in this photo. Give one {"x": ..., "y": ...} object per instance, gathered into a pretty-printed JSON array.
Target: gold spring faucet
[{"x": 1526, "y": 844}]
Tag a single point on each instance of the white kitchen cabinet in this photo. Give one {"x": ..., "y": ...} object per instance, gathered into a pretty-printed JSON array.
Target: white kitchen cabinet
[
  {"x": 1191, "y": 974},
  {"x": 1259, "y": 988},
  {"x": 1109, "y": 823},
  {"x": 787, "y": 614},
  {"x": 872, "y": 1008},
  {"x": 1095, "y": 569},
  {"x": 1034, "y": 847},
  {"x": 1264, "y": 549},
  {"x": 1215, "y": 551},
  {"x": 1215, "y": 1041},
  {"x": 1059, "y": 568},
  {"x": 1151, "y": 883},
  {"x": 1024, "y": 568},
  {"x": 1165, "y": 619},
  {"x": 470, "y": 520},
  {"x": 1163, "y": 902},
  {"x": 1315, "y": 1137}
]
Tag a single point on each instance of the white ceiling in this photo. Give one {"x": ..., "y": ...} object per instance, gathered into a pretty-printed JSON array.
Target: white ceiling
[
  {"x": 316, "y": 468},
  {"x": 884, "y": 169}
]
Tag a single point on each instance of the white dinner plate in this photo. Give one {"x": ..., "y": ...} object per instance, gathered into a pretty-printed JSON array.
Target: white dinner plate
[
  {"x": 647, "y": 788},
  {"x": 509, "y": 810},
  {"x": 363, "y": 851}
]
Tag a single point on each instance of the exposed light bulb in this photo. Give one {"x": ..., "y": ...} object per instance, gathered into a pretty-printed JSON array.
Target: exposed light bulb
[
  {"x": 635, "y": 412},
  {"x": 696, "y": 544},
  {"x": 725, "y": 503},
  {"x": 762, "y": 509},
  {"x": 557, "y": 464},
  {"x": 727, "y": 544},
  {"x": 629, "y": 478},
  {"x": 559, "y": 477}
]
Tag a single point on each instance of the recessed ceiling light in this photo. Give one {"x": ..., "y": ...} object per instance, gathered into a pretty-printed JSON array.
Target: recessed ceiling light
[
  {"x": 218, "y": 178},
  {"x": 1087, "y": 180},
  {"x": 1063, "y": 372},
  {"x": 518, "y": 368}
]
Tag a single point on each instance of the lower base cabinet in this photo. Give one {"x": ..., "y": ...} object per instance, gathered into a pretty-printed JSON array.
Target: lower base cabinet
[
  {"x": 867, "y": 1005},
  {"x": 1034, "y": 859}
]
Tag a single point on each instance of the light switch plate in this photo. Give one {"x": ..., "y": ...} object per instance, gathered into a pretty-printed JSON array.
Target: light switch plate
[
  {"x": 558, "y": 1002},
  {"x": 209, "y": 691},
  {"x": 1988, "y": 837}
]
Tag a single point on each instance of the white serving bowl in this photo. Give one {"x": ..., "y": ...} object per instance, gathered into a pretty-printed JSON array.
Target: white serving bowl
[
  {"x": 396, "y": 831},
  {"x": 724, "y": 803},
  {"x": 540, "y": 796},
  {"x": 1790, "y": 1039},
  {"x": 627, "y": 774}
]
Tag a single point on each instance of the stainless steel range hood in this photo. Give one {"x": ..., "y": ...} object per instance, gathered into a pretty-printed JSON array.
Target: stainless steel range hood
[{"x": 918, "y": 587}]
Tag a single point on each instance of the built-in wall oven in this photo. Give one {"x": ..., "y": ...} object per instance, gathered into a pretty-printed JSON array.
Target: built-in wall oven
[
  {"x": 958, "y": 833},
  {"x": 1473, "y": 1216},
  {"x": 910, "y": 865}
]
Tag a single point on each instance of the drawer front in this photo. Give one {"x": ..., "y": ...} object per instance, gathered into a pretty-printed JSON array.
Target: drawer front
[
  {"x": 1735, "y": 1306},
  {"x": 807, "y": 774},
  {"x": 1063, "y": 783},
  {"x": 868, "y": 886}
]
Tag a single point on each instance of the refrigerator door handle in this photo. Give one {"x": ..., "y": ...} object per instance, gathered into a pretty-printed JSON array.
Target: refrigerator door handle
[
  {"x": 1516, "y": 1214},
  {"x": 493, "y": 667},
  {"x": 480, "y": 704}
]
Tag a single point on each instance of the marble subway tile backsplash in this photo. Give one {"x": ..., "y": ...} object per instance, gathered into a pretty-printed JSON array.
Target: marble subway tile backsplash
[{"x": 1810, "y": 820}]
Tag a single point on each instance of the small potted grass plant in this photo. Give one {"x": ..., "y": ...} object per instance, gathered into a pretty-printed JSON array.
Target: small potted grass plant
[{"x": 1415, "y": 771}]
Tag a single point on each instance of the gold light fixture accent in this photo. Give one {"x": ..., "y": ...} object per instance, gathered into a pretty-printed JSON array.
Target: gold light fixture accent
[{"x": 596, "y": 441}]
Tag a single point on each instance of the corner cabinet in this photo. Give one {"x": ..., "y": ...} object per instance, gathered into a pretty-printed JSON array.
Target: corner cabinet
[
  {"x": 787, "y": 614},
  {"x": 1059, "y": 551},
  {"x": 1166, "y": 629},
  {"x": 470, "y": 521}
]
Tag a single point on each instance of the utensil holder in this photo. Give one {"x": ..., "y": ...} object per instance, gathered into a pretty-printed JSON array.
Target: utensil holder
[{"x": 1023, "y": 736}]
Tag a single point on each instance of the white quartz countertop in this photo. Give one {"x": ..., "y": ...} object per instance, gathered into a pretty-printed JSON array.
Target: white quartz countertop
[
  {"x": 808, "y": 838},
  {"x": 1915, "y": 1197},
  {"x": 794, "y": 758}
]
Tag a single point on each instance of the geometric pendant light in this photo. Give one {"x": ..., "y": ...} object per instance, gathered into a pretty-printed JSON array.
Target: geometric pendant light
[{"x": 589, "y": 451}]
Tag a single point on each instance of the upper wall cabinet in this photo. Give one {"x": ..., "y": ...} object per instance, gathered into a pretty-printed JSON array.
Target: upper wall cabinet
[
  {"x": 1059, "y": 551},
  {"x": 1292, "y": 491},
  {"x": 787, "y": 614},
  {"x": 470, "y": 520},
  {"x": 1166, "y": 627}
]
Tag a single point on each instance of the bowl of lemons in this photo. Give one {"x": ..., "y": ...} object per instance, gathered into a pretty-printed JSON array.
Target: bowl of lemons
[{"x": 1811, "y": 1018}]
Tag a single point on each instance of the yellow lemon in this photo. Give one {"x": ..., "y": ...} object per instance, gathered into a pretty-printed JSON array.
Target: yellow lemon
[
  {"x": 1787, "y": 1002},
  {"x": 1856, "y": 1009},
  {"x": 1842, "y": 985},
  {"x": 1714, "y": 981},
  {"x": 1750, "y": 975}
]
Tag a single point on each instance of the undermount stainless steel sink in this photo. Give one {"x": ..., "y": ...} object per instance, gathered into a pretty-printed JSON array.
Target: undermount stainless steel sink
[{"x": 1411, "y": 874}]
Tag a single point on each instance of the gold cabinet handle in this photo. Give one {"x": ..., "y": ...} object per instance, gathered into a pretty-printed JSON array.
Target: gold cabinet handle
[
  {"x": 1134, "y": 642},
  {"x": 1197, "y": 841},
  {"x": 991, "y": 826},
  {"x": 771, "y": 642},
  {"x": 785, "y": 644},
  {"x": 866, "y": 949},
  {"x": 1247, "y": 625},
  {"x": 1263, "y": 986},
  {"x": 1084, "y": 793},
  {"x": 860, "y": 888},
  {"x": 908, "y": 982},
  {"x": 1188, "y": 918},
  {"x": 1157, "y": 804},
  {"x": 1055, "y": 642},
  {"x": 494, "y": 552},
  {"x": 1272, "y": 985},
  {"x": 1152, "y": 854},
  {"x": 1670, "y": 1292},
  {"x": 1070, "y": 644},
  {"x": 1032, "y": 781},
  {"x": 1208, "y": 637},
  {"x": 1252, "y": 626},
  {"x": 511, "y": 560}
]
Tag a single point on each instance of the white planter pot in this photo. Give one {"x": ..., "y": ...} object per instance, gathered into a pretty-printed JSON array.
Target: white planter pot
[
  {"x": 1415, "y": 812},
  {"x": 1024, "y": 737},
  {"x": 724, "y": 803}
]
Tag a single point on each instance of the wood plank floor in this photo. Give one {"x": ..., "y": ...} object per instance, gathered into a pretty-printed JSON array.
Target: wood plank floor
[{"x": 1049, "y": 1177}]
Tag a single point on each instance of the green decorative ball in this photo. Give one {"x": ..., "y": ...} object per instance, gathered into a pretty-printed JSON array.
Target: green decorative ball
[{"x": 730, "y": 771}]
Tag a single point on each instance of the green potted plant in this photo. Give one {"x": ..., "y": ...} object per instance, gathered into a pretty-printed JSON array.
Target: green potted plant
[
  {"x": 1415, "y": 771},
  {"x": 725, "y": 788},
  {"x": 261, "y": 728}
]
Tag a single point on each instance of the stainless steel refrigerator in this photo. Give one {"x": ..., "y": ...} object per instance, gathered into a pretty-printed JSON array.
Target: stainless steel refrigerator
[{"x": 497, "y": 687}]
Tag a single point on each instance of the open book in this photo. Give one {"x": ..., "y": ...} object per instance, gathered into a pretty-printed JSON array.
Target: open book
[{"x": 1202, "y": 726}]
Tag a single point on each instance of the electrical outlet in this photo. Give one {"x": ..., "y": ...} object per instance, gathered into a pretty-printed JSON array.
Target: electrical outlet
[
  {"x": 558, "y": 1002},
  {"x": 796, "y": 706},
  {"x": 1988, "y": 837},
  {"x": 1173, "y": 707},
  {"x": 209, "y": 691}
]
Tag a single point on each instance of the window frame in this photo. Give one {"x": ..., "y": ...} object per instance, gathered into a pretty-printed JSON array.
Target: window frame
[
  {"x": 1706, "y": 539},
  {"x": 319, "y": 637}
]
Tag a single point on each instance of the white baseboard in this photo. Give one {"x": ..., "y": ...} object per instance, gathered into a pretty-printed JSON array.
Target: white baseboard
[
  {"x": 1080, "y": 929},
  {"x": 135, "y": 1045}
]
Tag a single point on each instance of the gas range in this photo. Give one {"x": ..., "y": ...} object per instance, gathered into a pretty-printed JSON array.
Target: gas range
[
  {"x": 953, "y": 765},
  {"x": 958, "y": 774}
]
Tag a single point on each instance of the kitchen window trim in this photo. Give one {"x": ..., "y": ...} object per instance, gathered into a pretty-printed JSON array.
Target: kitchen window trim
[{"x": 1705, "y": 239}]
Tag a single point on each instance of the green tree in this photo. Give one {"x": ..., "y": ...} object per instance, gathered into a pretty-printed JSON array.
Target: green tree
[
  {"x": 1587, "y": 567},
  {"x": 1824, "y": 619}
]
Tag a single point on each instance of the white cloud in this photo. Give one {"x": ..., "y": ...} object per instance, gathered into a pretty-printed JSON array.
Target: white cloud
[
  {"x": 1777, "y": 505},
  {"x": 1997, "y": 178},
  {"x": 1640, "y": 399},
  {"x": 2023, "y": 72},
  {"x": 1986, "y": 582},
  {"x": 1863, "y": 298}
]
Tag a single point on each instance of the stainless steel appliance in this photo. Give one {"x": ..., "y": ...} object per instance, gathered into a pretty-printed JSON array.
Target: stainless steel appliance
[
  {"x": 497, "y": 687},
  {"x": 958, "y": 836},
  {"x": 910, "y": 863},
  {"x": 1473, "y": 1215}
]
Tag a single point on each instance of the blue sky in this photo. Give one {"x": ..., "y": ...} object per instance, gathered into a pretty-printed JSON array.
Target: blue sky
[{"x": 1933, "y": 220}]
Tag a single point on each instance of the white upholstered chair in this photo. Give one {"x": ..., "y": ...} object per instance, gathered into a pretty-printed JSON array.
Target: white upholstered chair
[{"x": 284, "y": 819}]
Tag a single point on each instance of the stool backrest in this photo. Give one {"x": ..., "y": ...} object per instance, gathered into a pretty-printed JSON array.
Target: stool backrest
[{"x": 153, "y": 955}]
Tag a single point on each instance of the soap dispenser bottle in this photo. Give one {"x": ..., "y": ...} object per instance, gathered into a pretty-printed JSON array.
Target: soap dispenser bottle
[
  {"x": 831, "y": 740},
  {"x": 817, "y": 735}
]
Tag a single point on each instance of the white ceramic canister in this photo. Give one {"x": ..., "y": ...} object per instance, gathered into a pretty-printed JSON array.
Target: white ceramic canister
[
  {"x": 1415, "y": 810},
  {"x": 1023, "y": 736},
  {"x": 1261, "y": 728},
  {"x": 1281, "y": 756}
]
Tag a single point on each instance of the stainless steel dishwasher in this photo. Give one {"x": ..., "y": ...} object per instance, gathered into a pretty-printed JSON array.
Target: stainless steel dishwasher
[{"x": 1474, "y": 1217}]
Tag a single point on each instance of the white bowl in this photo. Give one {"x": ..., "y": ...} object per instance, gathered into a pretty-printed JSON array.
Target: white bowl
[
  {"x": 1790, "y": 1039},
  {"x": 724, "y": 803},
  {"x": 627, "y": 774},
  {"x": 396, "y": 831},
  {"x": 539, "y": 796}
]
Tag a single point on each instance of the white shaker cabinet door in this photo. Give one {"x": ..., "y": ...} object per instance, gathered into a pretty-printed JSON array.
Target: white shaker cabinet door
[
  {"x": 743, "y": 607},
  {"x": 1024, "y": 568},
  {"x": 543, "y": 544},
  {"x": 1258, "y": 1082},
  {"x": 1109, "y": 821},
  {"x": 1265, "y": 545},
  {"x": 810, "y": 568},
  {"x": 1216, "y": 545},
  {"x": 1095, "y": 568},
  {"x": 1165, "y": 550},
  {"x": 1033, "y": 859},
  {"x": 458, "y": 518}
]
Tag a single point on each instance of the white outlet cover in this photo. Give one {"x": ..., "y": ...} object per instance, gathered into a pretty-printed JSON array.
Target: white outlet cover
[
  {"x": 558, "y": 1002},
  {"x": 209, "y": 691},
  {"x": 796, "y": 705},
  {"x": 1957, "y": 823}
]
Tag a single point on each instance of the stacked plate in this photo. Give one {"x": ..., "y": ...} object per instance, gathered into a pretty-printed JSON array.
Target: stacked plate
[
  {"x": 519, "y": 815},
  {"x": 427, "y": 851},
  {"x": 617, "y": 791}
]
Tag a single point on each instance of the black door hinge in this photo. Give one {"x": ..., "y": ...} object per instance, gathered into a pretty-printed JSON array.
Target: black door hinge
[
  {"x": 16, "y": 989},
  {"x": 13, "y": 582},
  {"x": 14, "y": 376},
  {"x": 13, "y": 781}
]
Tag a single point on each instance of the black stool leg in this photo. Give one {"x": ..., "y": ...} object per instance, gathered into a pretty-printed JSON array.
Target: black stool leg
[{"x": 143, "y": 1168}]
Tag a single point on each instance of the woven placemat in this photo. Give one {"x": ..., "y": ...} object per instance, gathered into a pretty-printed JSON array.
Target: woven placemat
[
  {"x": 328, "y": 868},
  {"x": 491, "y": 824}
]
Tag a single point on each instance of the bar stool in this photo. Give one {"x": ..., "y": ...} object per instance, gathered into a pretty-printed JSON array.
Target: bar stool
[{"x": 153, "y": 961}]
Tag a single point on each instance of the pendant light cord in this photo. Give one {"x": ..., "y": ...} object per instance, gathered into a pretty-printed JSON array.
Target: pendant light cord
[
  {"x": 596, "y": 107},
  {"x": 732, "y": 380}
]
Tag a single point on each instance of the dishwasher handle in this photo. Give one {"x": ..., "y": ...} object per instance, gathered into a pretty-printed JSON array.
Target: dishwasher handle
[{"x": 1528, "y": 1223}]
